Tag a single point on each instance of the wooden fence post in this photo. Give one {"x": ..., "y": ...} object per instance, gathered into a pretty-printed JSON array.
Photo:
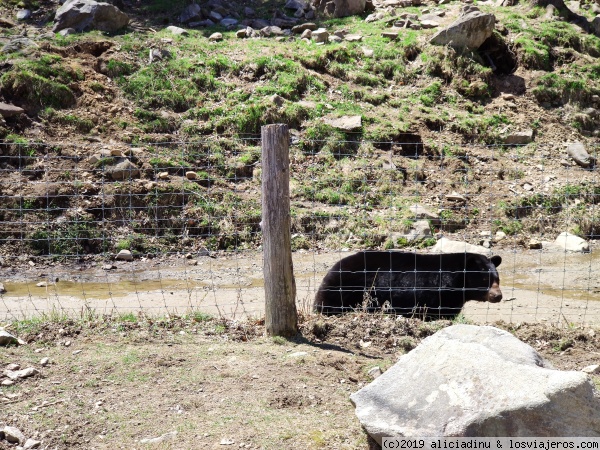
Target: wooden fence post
[{"x": 281, "y": 317}]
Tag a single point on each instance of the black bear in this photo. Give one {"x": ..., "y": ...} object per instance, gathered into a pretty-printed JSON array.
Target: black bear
[{"x": 410, "y": 284}]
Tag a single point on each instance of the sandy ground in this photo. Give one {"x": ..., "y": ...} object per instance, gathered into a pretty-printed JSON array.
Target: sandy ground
[{"x": 546, "y": 285}]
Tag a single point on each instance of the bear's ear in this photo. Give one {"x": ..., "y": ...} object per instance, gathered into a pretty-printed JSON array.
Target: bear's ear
[{"x": 496, "y": 260}]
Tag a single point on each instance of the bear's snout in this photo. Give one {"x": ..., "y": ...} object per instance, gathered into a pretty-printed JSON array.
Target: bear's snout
[{"x": 494, "y": 294}]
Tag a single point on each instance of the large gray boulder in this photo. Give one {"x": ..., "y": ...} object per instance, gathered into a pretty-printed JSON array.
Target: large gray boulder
[
  {"x": 84, "y": 15},
  {"x": 467, "y": 32},
  {"x": 467, "y": 380}
]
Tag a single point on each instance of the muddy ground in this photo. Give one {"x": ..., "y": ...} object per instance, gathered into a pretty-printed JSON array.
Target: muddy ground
[{"x": 538, "y": 285}]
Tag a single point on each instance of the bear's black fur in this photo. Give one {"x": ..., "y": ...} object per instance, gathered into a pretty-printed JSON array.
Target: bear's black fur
[{"x": 410, "y": 284}]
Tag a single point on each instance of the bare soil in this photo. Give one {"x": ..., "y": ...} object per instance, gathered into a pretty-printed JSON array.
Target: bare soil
[{"x": 221, "y": 384}]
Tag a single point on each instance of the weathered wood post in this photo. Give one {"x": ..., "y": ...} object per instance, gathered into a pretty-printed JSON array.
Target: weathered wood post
[{"x": 281, "y": 317}]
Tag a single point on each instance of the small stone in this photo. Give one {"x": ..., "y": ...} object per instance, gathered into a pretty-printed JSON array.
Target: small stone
[
  {"x": 13, "y": 435},
  {"x": 163, "y": 175},
  {"x": 157, "y": 440},
  {"x": 108, "y": 267},
  {"x": 353, "y": 37},
  {"x": 374, "y": 372},
  {"x": 528, "y": 187},
  {"x": 215, "y": 37},
  {"x": 500, "y": 235},
  {"x": 392, "y": 35},
  {"x": 31, "y": 444},
  {"x": 228, "y": 22},
  {"x": 593, "y": 369},
  {"x": 320, "y": 35},
  {"x": 177, "y": 30},
  {"x": 12, "y": 366},
  {"x": 7, "y": 382},
  {"x": 456, "y": 197},
  {"x": 23, "y": 14},
  {"x": 7, "y": 339},
  {"x": 43, "y": 284},
  {"x": 77, "y": 352},
  {"x": 44, "y": 362},
  {"x": 297, "y": 354},
  {"x": 67, "y": 344},
  {"x": 7, "y": 110},
  {"x": 124, "y": 255},
  {"x": 20, "y": 374},
  {"x": 534, "y": 244},
  {"x": 191, "y": 175}
]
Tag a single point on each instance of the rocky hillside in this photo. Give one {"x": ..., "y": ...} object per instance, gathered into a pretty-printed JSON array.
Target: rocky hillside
[{"x": 137, "y": 128}]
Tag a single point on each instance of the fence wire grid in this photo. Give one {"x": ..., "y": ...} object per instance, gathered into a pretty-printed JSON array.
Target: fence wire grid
[{"x": 174, "y": 227}]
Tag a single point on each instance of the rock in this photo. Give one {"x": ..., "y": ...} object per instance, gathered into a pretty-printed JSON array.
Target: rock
[
  {"x": 157, "y": 54},
  {"x": 31, "y": 444},
  {"x": 320, "y": 35},
  {"x": 353, "y": 37},
  {"x": 519, "y": 137},
  {"x": 571, "y": 243},
  {"x": 23, "y": 14},
  {"x": 468, "y": 32},
  {"x": 215, "y": 37},
  {"x": 191, "y": 13},
  {"x": 340, "y": 8},
  {"x": 374, "y": 372},
  {"x": 191, "y": 175},
  {"x": 271, "y": 30},
  {"x": 13, "y": 435},
  {"x": 215, "y": 16},
  {"x": 44, "y": 362},
  {"x": 7, "y": 339},
  {"x": 579, "y": 154},
  {"x": 420, "y": 230},
  {"x": 456, "y": 197},
  {"x": 12, "y": 366},
  {"x": 445, "y": 245},
  {"x": 177, "y": 31},
  {"x": 594, "y": 369},
  {"x": 157, "y": 440},
  {"x": 20, "y": 374},
  {"x": 18, "y": 44},
  {"x": 67, "y": 31},
  {"x": 467, "y": 380},
  {"x": 500, "y": 235},
  {"x": 344, "y": 123},
  {"x": 124, "y": 255},
  {"x": 123, "y": 170},
  {"x": 392, "y": 35},
  {"x": 301, "y": 28},
  {"x": 7, "y": 383},
  {"x": 297, "y": 354},
  {"x": 427, "y": 24},
  {"x": 296, "y": 4},
  {"x": 228, "y": 22},
  {"x": 420, "y": 212},
  {"x": 84, "y": 15},
  {"x": 535, "y": 244},
  {"x": 2, "y": 289}
]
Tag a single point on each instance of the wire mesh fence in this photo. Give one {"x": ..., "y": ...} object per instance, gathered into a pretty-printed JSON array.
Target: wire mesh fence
[{"x": 174, "y": 227}]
